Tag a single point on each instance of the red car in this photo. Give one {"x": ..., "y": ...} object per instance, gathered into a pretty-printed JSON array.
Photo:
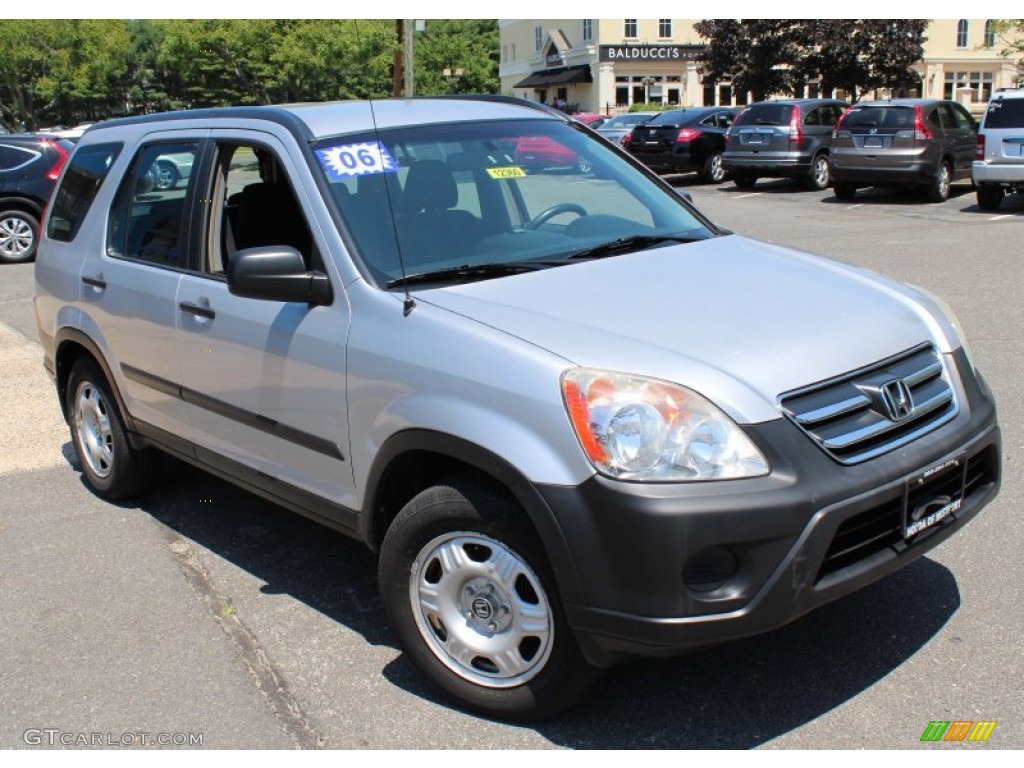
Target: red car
[
  {"x": 591, "y": 119},
  {"x": 536, "y": 153}
]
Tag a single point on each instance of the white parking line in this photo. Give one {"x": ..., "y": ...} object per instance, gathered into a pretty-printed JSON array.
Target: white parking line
[
  {"x": 851, "y": 207},
  {"x": 752, "y": 194},
  {"x": 1004, "y": 216}
]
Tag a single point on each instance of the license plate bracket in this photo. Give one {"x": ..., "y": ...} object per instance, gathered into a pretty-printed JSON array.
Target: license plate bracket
[
  {"x": 873, "y": 141},
  {"x": 932, "y": 496}
]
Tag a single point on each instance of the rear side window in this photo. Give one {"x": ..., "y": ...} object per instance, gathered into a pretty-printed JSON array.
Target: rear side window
[
  {"x": 15, "y": 157},
  {"x": 766, "y": 114},
  {"x": 1005, "y": 113},
  {"x": 82, "y": 180}
]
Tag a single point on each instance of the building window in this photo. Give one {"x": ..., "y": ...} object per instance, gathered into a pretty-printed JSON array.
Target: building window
[
  {"x": 588, "y": 29},
  {"x": 538, "y": 38},
  {"x": 977, "y": 85},
  {"x": 990, "y": 34},
  {"x": 961, "y": 33},
  {"x": 629, "y": 28},
  {"x": 504, "y": 53},
  {"x": 664, "y": 28},
  {"x": 513, "y": 52}
]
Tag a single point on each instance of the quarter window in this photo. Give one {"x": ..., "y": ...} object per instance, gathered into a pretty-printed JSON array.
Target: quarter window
[
  {"x": 961, "y": 33},
  {"x": 147, "y": 220},
  {"x": 15, "y": 157},
  {"x": 82, "y": 180},
  {"x": 629, "y": 28}
]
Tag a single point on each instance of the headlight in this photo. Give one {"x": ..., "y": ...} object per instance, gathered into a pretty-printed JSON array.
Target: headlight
[
  {"x": 636, "y": 428},
  {"x": 954, "y": 321}
]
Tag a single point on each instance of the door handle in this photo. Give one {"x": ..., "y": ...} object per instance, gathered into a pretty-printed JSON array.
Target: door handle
[
  {"x": 95, "y": 282},
  {"x": 195, "y": 309}
]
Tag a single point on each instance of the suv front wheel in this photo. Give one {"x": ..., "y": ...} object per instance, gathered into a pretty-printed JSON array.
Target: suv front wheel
[{"x": 471, "y": 597}]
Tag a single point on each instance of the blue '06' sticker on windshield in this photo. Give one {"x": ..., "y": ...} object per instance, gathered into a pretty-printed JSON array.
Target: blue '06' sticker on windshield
[{"x": 350, "y": 160}]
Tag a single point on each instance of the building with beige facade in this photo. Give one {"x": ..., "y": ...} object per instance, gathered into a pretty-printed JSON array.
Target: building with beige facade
[{"x": 607, "y": 65}]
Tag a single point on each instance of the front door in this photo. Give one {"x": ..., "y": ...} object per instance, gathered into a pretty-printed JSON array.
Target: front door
[{"x": 265, "y": 379}]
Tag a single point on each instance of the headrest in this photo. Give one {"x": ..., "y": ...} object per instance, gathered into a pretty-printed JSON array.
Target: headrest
[{"x": 430, "y": 186}]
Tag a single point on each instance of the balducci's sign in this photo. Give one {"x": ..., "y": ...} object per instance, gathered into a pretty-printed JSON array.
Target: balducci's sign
[{"x": 651, "y": 52}]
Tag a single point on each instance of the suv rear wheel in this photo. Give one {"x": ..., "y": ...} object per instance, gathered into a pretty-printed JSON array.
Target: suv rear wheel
[
  {"x": 713, "y": 172},
  {"x": 818, "y": 176},
  {"x": 990, "y": 196},
  {"x": 938, "y": 188},
  {"x": 844, "y": 191},
  {"x": 112, "y": 468},
  {"x": 18, "y": 236},
  {"x": 744, "y": 182},
  {"x": 471, "y": 597}
]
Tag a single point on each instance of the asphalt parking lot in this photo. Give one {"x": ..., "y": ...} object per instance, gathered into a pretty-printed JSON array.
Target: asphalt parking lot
[{"x": 201, "y": 609}]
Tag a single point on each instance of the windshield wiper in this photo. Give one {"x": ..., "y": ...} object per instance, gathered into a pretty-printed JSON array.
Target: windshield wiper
[
  {"x": 633, "y": 243},
  {"x": 468, "y": 273}
]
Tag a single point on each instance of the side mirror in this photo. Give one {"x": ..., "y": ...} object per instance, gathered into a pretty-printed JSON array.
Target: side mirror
[{"x": 276, "y": 273}]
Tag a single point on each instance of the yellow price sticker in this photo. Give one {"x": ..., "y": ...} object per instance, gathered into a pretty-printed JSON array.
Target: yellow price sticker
[{"x": 512, "y": 172}]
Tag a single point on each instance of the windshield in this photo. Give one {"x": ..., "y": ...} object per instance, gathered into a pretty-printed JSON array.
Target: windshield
[{"x": 534, "y": 193}]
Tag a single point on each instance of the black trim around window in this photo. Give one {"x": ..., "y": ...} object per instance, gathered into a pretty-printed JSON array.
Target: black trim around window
[{"x": 233, "y": 412}]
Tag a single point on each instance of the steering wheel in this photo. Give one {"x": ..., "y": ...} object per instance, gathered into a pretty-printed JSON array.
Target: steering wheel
[{"x": 553, "y": 211}]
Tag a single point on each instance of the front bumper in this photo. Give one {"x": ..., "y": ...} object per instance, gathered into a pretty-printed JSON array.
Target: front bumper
[{"x": 665, "y": 568}]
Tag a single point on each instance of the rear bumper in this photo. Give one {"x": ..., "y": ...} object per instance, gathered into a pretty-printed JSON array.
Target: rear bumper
[
  {"x": 677, "y": 159},
  {"x": 669, "y": 568},
  {"x": 771, "y": 166},
  {"x": 917, "y": 172},
  {"x": 986, "y": 173}
]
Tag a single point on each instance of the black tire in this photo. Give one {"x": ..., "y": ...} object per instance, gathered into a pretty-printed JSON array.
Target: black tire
[
  {"x": 990, "y": 197},
  {"x": 844, "y": 191},
  {"x": 19, "y": 236},
  {"x": 165, "y": 175},
  {"x": 479, "y": 522},
  {"x": 937, "y": 190},
  {"x": 820, "y": 175},
  {"x": 111, "y": 467},
  {"x": 744, "y": 181},
  {"x": 713, "y": 171}
]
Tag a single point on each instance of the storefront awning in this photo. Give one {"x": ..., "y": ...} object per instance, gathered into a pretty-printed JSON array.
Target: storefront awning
[{"x": 559, "y": 76}]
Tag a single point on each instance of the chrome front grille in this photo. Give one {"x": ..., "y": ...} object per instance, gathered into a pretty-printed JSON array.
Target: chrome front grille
[{"x": 865, "y": 413}]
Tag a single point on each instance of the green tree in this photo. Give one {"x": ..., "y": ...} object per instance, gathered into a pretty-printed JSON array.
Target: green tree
[
  {"x": 763, "y": 56},
  {"x": 1010, "y": 33},
  {"x": 469, "y": 45},
  {"x": 60, "y": 70},
  {"x": 860, "y": 55}
]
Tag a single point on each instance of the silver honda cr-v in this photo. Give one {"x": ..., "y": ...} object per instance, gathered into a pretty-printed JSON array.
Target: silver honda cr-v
[{"x": 579, "y": 422}]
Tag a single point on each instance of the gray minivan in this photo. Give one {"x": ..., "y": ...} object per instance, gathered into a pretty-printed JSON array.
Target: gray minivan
[
  {"x": 903, "y": 142},
  {"x": 579, "y": 422},
  {"x": 784, "y": 138}
]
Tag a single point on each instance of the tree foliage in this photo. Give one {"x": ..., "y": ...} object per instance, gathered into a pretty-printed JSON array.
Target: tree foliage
[
  {"x": 777, "y": 56},
  {"x": 1010, "y": 33},
  {"x": 70, "y": 71}
]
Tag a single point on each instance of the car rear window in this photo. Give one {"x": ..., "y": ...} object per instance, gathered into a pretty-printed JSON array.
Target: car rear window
[
  {"x": 880, "y": 117},
  {"x": 766, "y": 114},
  {"x": 86, "y": 171},
  {"x": 675, "y": 117},
  {"x": 1005, "y": 113}
]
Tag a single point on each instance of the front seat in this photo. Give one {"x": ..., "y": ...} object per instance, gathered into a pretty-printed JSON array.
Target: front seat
[{"x": 432, "y": 229}]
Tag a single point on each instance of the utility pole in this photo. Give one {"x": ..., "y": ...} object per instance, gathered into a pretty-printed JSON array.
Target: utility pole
[
  {"x": 396, "y": 72},
  {"x": 410, "y": 34}
]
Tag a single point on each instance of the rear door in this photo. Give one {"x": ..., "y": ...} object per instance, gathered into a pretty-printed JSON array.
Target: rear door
[
  {"x": 877, "y": 136},
  {"x": 762, "y": 130},
  {"x": 1004, "y": 131}
]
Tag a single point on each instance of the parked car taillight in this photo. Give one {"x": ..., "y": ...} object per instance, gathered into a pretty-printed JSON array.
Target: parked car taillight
[
  {"x": 62, "y": 158},
  {"x": 626, "y": 138},
  {"x": 839, "y": 122},
  {"x": 979, "y": 153},
  {"x": 796, "y": 134},
  {"x": 687, "y": 134},
  {"x": 921, "y": 131}
]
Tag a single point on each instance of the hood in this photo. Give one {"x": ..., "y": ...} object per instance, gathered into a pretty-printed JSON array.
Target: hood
[{"x": 739, "y": 321}]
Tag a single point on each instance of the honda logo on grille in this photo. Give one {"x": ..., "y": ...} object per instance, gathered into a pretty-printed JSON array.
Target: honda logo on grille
[{"x": 898, "y": 401}]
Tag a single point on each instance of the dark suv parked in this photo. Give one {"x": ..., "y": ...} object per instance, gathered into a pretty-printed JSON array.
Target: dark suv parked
[
  {"x": 683, "y": 140},
  {"x": 782, "y": 139},
  {"x": 29, "y": 167},
  {"x": 912, "y": 142}
]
